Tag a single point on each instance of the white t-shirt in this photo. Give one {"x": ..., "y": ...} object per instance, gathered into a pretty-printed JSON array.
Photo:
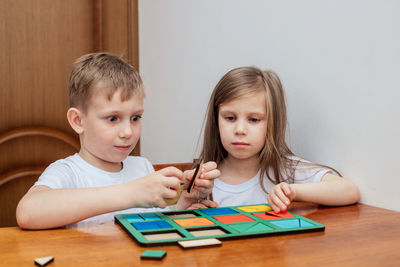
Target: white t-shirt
[
  {"x": 250, "y": 192},
  {"x": 75, "y": 172}
]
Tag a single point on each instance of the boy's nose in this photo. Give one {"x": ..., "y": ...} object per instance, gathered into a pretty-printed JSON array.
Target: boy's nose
[{"x": 125, "y": 131}]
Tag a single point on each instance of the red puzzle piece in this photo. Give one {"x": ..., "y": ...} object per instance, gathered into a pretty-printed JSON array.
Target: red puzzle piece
[
  {"x": 233, "y": 218},
  {"x": 272, "y": 215}
]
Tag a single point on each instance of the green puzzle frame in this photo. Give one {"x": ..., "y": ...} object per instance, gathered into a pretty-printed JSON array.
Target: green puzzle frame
[{"x": 240, "y": 224}]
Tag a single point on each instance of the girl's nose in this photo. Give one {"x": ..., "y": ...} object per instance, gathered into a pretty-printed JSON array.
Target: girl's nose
[{"x": 240, "y": 128}]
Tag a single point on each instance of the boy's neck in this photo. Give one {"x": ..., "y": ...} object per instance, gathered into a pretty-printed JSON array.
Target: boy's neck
[
  {"x": 101, "y": 164},
  {"x": 237, "y": 171}
]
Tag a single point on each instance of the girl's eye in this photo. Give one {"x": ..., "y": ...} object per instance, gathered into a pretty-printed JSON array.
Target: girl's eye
[
  {"x": 230, "y": 118},
  {"x": 136, "y": 118},
  {"x": 254, "y": 119},
  {"x": 112, "y": 118}
]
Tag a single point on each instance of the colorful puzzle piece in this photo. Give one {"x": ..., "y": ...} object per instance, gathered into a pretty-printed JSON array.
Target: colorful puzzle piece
[
  {"x": 151, "y": 225},
  {"x": 252, "y": 227},
  {"x": 292, "y": 223},
  {"x": 219, "y": 211},
  {"x": 193, "y": 222},
  {"x": 233, "y": 218},
  {"x": 255, "y": 208},
  {"x": 153, "y": 254},
  {"x": 272, "y": 215}
]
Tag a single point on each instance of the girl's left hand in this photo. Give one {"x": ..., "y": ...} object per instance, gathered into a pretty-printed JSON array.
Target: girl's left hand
[
  {"x": 203, "y": 186},
  {"x": 204, "y": 204},
  {"x": 281, "y": 196}
]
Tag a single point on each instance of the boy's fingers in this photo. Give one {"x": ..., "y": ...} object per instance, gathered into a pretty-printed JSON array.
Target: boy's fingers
[
  {"x": 172, "y": 172},
  {"x": 170, "y": 193},
  {"x": 171, "y": 182}
]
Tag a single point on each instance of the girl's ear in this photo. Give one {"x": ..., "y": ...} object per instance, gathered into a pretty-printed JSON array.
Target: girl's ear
[{"x": 74, "y": 117}]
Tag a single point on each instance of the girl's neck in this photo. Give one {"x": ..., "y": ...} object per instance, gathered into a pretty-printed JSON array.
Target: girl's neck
[{"x": 237, "y": 171}]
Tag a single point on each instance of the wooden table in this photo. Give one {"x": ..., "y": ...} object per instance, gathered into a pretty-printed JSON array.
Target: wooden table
[{"x": 357, "y": 235}]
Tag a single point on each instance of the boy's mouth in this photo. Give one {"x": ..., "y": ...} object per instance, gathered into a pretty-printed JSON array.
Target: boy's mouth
[{"x": 123, "y": 148}]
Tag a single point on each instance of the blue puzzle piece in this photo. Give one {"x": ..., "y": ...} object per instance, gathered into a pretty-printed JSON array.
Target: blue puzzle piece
[
  {"x": 219, "y": 211},
  {"x": 133, "y": 218},
  {"x": 149, "y": 216},
  {"x": 151, "y": 225},
  {"x": 292, "y": 223}
]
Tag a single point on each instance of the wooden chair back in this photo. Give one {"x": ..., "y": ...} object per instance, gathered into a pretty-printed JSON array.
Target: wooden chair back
[{"x": 25, "y": 169}]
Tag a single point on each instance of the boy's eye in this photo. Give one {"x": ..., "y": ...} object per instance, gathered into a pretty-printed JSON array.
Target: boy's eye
[
  {"x": 136, "y": 118},
  {"x": 112, "y": 118}
]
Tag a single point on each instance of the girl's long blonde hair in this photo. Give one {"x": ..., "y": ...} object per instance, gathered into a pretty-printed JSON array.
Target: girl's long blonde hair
[{"x": 275, "y": 157}]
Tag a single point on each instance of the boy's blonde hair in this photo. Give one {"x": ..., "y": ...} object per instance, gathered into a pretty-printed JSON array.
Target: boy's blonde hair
[
  {"x": 275, "y": 156},
  {"x": 105, "y": 71}
]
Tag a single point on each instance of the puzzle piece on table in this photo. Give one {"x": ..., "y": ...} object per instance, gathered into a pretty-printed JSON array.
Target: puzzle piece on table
[
  {"x": 43, "y": 261},
  {"x": 153, "y": 255}
]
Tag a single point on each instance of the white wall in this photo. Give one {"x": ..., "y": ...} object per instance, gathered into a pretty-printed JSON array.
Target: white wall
[{"x": 338, "y": 60}]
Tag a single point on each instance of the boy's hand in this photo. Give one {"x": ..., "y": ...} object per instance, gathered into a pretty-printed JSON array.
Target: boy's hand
[
  {"x": 281, "y": 196},
  {"x": 152, "y": 190},
  {"x": 204, "y": 184}
]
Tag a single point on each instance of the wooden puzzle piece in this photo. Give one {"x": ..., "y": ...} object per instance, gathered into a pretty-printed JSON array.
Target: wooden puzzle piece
[
  {"x": 255, "y": 208},
  {"x": 173, "y": 201},
  {"x": 233, "y": 218},
  {"x": 162, "y": 236},
  {"x": 193, "y": 222},
  {"x": 151, "y": 225},
  {"x": 207, "y": 232},
  {"x": 199, "y": 243},
  {"x": 196, "y": 174},
  {"x": 153, "y": 255},
  {"x": 253, "y": 227},
  {"x": 272, "y": 215},
  {"x": 43, "y": 261},
  {"x": 219, "y": 211},
  {"x": 292, "y": 223}
]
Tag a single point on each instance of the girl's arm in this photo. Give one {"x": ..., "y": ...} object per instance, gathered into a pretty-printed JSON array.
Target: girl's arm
[
  {"x": 332, "y": 190},
  {"x": 43, "y": 207},
  {"x": 202, "y": 188}
]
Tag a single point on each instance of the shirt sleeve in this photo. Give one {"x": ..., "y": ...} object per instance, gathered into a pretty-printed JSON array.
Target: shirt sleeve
[
  {"x": 308, "y": 173},
  {"x": 57, "y": 175}
]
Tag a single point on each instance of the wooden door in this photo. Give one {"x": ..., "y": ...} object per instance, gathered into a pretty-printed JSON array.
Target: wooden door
[{"x": 39, "y": 40}]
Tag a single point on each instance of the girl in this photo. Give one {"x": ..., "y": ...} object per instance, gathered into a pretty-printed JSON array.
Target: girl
[{"x": 245, "y": 135}]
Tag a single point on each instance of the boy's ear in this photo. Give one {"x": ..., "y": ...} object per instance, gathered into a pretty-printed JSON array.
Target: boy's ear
[{"x": 74, "y": 117}]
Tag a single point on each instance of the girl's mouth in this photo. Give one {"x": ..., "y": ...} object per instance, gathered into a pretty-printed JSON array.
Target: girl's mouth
[{"x": 240, "y": 144}]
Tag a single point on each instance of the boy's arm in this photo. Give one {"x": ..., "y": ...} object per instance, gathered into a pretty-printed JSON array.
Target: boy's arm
[
  {"x": 332, "y": 190},
  {"x": 43, "y": 207}
]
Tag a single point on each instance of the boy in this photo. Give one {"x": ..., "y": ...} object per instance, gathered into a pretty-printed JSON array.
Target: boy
[{"x": 106, "y": 105}]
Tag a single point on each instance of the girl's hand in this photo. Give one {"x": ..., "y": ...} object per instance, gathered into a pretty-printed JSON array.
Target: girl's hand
[
  {"x": 204, "y": 204},
  {"x": 204, "y": 184},
  {"x": 281, "y": 196}
]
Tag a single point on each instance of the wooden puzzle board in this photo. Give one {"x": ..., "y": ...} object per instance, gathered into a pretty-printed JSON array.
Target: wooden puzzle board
[{"x": 169, "y": 227}]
